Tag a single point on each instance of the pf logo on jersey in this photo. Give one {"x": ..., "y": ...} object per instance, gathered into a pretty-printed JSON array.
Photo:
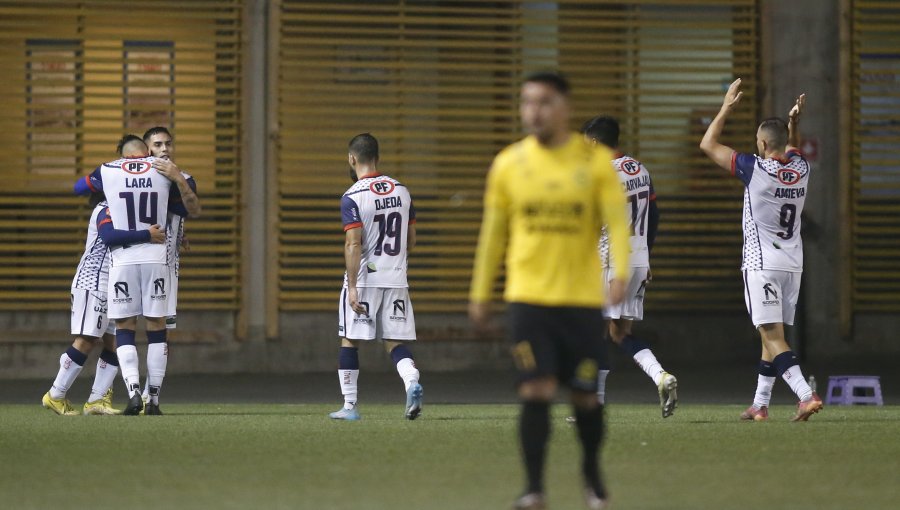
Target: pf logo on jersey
[
  {"x": 381, "y": 187},
  {"x": 135, "y": 167},
  {"x": 631, "y": 167},
  {"x": 788, "y": 177}
]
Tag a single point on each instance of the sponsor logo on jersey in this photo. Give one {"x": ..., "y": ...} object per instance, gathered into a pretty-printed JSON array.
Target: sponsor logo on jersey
[
  {"x": 399, "y": 313},
  {"x": 630, "y": 166},
  {"x": 382, "y": 187},
  {"x": 788, "y": 177},
  {"x": 135, "y": 167}
]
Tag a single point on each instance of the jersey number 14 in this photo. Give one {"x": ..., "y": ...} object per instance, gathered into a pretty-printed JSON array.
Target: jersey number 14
[{"x": 146, "y": 207}]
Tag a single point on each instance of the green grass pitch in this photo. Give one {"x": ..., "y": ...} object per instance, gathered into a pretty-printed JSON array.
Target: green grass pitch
[{"x": 453, "y": 457}]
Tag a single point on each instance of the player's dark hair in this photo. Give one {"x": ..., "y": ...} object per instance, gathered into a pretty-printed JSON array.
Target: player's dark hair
[
  {"x": 125, "y": 141},
  {"x": 603, "y": 129},
  {"x": 776, "y": 130},
  {"x": 155, "y": 131},
  {"x": 552, "y": 79},
  {"x": 95, "y": 198},
  {"x": 365, "y": 148}
]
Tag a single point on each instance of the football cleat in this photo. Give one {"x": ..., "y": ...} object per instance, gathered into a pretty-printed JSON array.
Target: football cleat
[
  {"x": 135, "y": 405},
  {"x": 756, "y": 413},
  {"x": 60, "y": 406},
  {"x": 807, "y": 408},
  {"x": 414, "y": 401},
  {"x": 595, "y": 501},
  {"x": 102, "y": 406},
  {"x": 668, "y": 394},
  {"x": 571, "y": 420},
  {"x": 530, "y": 501},
  {"x": 152, "y": 410},
  {"x": 346, "y": 414}
]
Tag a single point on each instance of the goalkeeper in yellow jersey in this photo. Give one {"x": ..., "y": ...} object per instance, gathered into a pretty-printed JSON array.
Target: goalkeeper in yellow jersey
[{"x": 547, "y": 198}]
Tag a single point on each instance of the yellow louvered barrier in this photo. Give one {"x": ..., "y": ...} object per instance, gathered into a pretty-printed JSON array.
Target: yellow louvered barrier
[
  {"x": 437, "y": 83},
  {"x": 875, "y": 155},
  {"x": 76, "y": 76}
]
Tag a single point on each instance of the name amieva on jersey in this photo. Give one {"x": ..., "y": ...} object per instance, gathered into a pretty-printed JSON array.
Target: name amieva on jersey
[
  {"x": 790, "y": 192},
  {"x": 387, "y": 203}
]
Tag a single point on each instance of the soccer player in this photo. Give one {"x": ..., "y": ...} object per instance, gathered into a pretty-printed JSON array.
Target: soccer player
[
  {"x": 643, "y": 212},
  {"x": 89, "y": 321},
  {"x": 380, "y": 230},
  {"x": 547, "y": 198},
  {"x": 138, "y": 197},
  {"x": 162, "y": 147},
  {"x": 775, "y": 184}
]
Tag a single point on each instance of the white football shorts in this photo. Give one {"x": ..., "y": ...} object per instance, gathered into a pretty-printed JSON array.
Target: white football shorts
[
  {"x": 390, "y": 315},
  {"x": 771, "y": 296},
  {"x": 89, "y": 314},
  {"x": 171, "y": 314},
  {"x": 138, "y": 289},
  {"x": 632, "y": 305}
]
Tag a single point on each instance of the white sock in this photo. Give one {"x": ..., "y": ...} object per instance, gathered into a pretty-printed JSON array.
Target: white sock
[
  {"x": 146, "y": 393},
  {"x": 103, "y": 380},
  {"x": 794, "y": 377},
  {"x": 68, "y": 372},
  {"x": 763, "y": 391},
  {"x": 601, "y": 386},
  {"x": 128, "y": 363},
  {"x": 649, "y": 365},
  {"x": 406, "y": 367},
  {"x": 348, "y": 379},
  {"x": 157, "y": 359}
]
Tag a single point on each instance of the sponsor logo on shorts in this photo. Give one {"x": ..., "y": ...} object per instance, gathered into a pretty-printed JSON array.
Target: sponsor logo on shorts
[
  {"x": 364, "y": 318},
  {"x": 771, "y": 295},
  {"x": 122, "y": 294},
  {"x": 399, "y": 313},
  {"x": 159, "y": 289}
]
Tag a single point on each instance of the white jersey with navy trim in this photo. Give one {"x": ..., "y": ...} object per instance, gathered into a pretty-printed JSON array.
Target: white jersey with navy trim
[
  {"x": 138, "y": 197},
  {"x": 383, "y": 208},
  {"x": 774, "y": 194},
  {"x": 638, "y": 188},
  {"x": 93, "y": 268}
]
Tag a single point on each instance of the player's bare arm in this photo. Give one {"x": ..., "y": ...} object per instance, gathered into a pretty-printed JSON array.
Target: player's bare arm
[
  {"x": 352, "y": 256},
  {"x": 411, "y": 237},
  {"x": 721, "y": 154},
  {"x": 170, "y": 170},
  {"x": 794, "y": 122},
  {"x": 157, "y": 235}
]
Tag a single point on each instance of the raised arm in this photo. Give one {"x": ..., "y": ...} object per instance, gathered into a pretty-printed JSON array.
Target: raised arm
[
  {"x": 794, "y": 122},
  {"x": 721, "y": 154},
  {"x": 186, "y": 187}
]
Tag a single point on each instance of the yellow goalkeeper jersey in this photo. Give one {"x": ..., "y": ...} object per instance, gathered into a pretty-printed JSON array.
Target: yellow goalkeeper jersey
[{"x": 545, "y": 207}]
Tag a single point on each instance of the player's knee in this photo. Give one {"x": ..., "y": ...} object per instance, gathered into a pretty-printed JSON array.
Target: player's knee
[
  {"x": 83, "y": 344},
  {"x": 584, "y": 400},
  {"x": 542, "y": 389}
]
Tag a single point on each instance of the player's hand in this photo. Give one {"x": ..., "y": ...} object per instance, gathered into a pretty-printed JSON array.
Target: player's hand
[
  {"x": 167, "y": 169},
  {"x": 616, "y": 291},
  {"x": 649, "y": 276},
  {"x": 733, "y": 96},
  {"x": 185, "y": 245},
  {"x": 795, "y": 112},
  {"x": 355, "y": 305},
  {"x": 480, "y": 315},
  {"x": 157, "y": 235}
]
